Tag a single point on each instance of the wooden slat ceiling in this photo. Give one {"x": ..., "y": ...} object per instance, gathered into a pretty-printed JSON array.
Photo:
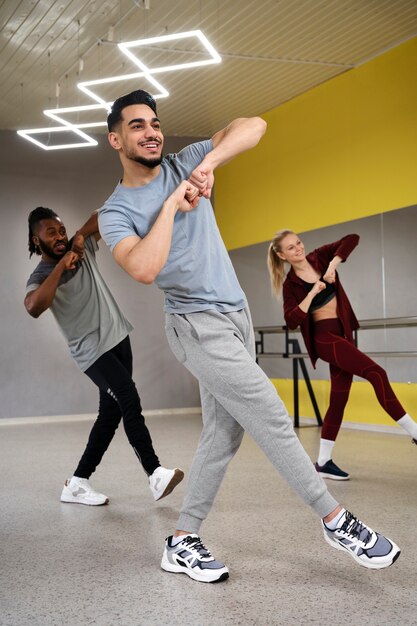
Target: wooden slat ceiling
[{"x": 272, "y": 50}]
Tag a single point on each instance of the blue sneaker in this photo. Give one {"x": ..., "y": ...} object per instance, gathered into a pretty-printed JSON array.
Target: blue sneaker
[
  {"x": 191, "y": 557},
  {"x": 367, "y": 547},
  {"x": 330, "y": 470}
]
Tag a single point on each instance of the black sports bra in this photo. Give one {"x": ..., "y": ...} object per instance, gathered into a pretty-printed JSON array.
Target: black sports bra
[{"x": 323, "y": 297}]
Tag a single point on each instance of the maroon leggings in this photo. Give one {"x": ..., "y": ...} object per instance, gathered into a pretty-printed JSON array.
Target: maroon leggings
[{"x": 346, "y": 360}]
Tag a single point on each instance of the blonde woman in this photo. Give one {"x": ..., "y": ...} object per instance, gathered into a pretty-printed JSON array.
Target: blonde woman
[{"x": 315, "y": 301}]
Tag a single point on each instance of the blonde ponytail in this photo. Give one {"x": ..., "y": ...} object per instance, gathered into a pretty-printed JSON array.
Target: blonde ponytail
[{"x": 276, "y": 265}]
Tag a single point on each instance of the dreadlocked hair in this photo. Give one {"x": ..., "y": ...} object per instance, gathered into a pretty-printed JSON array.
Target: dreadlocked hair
[
  {"x": 276, "y": 265},
  {"x": 35, "y": 216}
]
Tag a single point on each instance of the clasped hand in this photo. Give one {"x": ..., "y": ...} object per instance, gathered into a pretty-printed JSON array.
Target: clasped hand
[
  {"x": 318, "y": 286},
  {"x": 203, "y": 178}
]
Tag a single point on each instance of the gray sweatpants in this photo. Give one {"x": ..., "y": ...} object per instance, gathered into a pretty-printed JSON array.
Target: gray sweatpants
[{"x": 236, "y": 395}]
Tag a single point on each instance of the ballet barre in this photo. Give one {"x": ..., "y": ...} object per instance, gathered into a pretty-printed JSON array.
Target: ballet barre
[{"x": 292, "y": 350}]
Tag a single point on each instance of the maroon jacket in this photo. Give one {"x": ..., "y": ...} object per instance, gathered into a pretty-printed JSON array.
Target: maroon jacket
[{"x": 294, "y": 292}]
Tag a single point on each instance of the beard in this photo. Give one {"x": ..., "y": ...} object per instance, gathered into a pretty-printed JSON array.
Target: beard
[
  {"x": 50, "y": 252},
  {"x": 151, "y": 163}
]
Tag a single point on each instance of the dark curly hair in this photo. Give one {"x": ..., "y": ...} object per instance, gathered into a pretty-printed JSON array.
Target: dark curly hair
[{"x": 35, "y": 216}]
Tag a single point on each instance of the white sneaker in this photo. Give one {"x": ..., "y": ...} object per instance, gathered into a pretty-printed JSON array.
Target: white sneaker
[
  {"x": 163, "y": 481},
  {"x": 79, "y": 490}
]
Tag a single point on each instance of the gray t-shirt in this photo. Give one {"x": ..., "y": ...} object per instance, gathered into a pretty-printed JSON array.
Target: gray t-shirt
[
  {"x": 84, "y": 308},
  {"x": 198, "y": 274}
]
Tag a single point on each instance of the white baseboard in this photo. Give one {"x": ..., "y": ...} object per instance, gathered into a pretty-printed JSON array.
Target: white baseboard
[
  {"x": 87, "y": 417},
  {"x": 374, "y": 428}
]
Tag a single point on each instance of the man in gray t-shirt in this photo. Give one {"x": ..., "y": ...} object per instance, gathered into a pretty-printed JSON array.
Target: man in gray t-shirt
[
  {"x": 68, "y": 282},
  {"x": 158, "y": 231}
]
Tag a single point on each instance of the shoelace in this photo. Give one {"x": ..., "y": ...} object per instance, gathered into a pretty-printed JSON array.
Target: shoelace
[
  {"x": 196, "y": 544},
  {"x": 353, "y": 527}
]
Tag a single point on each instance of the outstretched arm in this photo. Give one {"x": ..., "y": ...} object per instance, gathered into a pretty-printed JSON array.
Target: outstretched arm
[
  {"x": 143, "y": 259},
  {"x": 239, "y": 136}
]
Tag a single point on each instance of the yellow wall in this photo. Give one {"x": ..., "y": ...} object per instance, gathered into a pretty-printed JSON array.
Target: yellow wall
[
  {"x": 362, "y": 408},
  {"x": 344, "y": 150}
]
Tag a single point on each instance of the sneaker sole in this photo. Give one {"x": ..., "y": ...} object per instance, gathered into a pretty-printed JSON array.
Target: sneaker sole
[
  {"x": 72, "y": 500},
  {"x": 332, "y": 476},
  {"x": 396, "y": 553},
  {"x": 177, "y": 569},
  {"x": 175, "y": 480}
]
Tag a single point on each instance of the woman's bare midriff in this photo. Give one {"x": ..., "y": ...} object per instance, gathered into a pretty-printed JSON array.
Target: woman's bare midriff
[{"x": 328, "y": 311}]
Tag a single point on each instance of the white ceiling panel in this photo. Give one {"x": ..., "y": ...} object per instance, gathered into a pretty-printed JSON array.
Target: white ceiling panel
[{"x": 272, "y": 50}]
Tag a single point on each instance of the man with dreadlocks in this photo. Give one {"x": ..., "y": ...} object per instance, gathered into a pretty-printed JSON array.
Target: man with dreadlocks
[{"x": 68, "y": 282}]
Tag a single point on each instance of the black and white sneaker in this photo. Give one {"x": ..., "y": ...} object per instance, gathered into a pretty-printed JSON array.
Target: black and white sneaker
[
  {"x": 365, "y": 546},
  {"x": 191, "y": 557},
  {"x": 332, "y": 471}
]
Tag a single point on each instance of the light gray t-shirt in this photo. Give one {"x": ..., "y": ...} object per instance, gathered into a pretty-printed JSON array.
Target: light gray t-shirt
[
  {"x": 198, "y": 274},
  {"x": 84, "y": 308}
]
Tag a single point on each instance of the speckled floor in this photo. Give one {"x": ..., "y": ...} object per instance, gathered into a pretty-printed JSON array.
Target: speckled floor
[{"x": 72, "y": 565}]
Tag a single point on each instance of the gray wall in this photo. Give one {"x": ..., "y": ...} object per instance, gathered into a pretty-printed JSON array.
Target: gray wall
[
  {"x": 379, "y": 278},
  {"x": 37, "y": 375}
]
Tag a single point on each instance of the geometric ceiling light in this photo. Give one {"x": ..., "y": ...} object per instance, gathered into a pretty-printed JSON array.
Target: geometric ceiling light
[
  {"x": 103, "y": 104},
  {"x": 147, "y": 72},
  {"x": 27, "y": 134},
  {"x": 85, "y": 86},
  {"x": 213, "y": 58},
  {"x": 55, "y": 114}
]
